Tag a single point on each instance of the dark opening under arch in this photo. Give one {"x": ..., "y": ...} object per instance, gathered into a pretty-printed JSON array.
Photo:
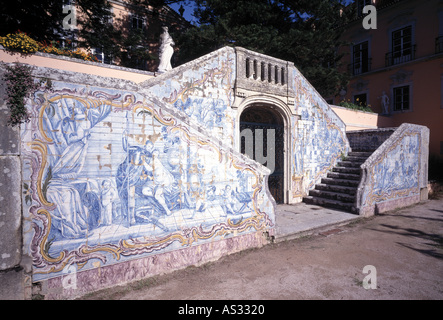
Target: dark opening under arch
[{"x": 267, "y": 124}]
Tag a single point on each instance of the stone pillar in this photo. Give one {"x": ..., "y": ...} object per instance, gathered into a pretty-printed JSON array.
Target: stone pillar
[
  {"x": 271, "y": 74},
  {"x": 265, "y": 72},
  {"x": 258, "y": 70},
  {"x": 12, "y": 272},
  {"x": 251, "y": 68}
]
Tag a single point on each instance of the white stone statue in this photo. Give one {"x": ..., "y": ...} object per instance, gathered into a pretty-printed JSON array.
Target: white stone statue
[
  {"x": 385, "y": 102},
  {"x": 166, "y": 51}
]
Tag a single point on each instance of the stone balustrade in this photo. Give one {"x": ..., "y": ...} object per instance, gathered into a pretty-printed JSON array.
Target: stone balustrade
[{"x": 258, "y": 72}]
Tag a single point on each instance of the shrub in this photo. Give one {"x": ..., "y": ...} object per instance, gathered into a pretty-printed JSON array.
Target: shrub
[
  {"x": 77, "y": 53},
  {"x": 353, "y": 106},
  {"x": 25, "y": 45},
  {"x": 19, "y": 42}
]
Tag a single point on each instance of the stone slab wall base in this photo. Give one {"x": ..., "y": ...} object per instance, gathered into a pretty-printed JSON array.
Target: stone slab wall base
[
  {"x": 13, "y": 285},
  {"x": 396, "y": 204},
  {"x": 390, "y": 205},
  {"x": 75, "y": 285}
]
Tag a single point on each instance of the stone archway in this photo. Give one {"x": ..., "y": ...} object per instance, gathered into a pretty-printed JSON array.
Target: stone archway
[
  {"x": 262, "y": 130},
  {"x": 266, "y": 112}
]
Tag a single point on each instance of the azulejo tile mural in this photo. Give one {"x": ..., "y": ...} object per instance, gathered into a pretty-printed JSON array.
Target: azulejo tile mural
[
  {"x": 110, "y": 176},
  {"x": 319, "y": 137},
  {"x": 395, "y": 173}
]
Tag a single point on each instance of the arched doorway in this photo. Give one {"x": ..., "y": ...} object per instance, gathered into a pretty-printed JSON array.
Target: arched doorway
[{"x": 262, "y": 132}]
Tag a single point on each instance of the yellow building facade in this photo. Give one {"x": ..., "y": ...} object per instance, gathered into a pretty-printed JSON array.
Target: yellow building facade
[{"x": 397, "y": 68}]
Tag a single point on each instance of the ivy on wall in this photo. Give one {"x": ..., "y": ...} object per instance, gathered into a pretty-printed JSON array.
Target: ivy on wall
[{"x": 20, "y": 84}]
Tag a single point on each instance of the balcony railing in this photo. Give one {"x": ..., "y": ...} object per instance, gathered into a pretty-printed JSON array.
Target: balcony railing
[
  {"x": 439, "y": 44},
  {"x": 401, "y": 56},
  {"x": 360, "y": 67}
]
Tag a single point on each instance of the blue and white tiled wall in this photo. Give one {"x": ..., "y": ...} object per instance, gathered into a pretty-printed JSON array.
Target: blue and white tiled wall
[
  {"x": 319, "y": 137},
  {"x": 113, "y": 175}
]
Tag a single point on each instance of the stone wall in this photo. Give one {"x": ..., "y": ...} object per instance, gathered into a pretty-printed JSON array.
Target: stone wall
[{"x": 12, "y": 272}]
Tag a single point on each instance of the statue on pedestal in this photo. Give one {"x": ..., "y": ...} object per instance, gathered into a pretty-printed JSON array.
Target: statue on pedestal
[
  {"x": 166, "y": 51},
  {"x": 385, "y": 102}
]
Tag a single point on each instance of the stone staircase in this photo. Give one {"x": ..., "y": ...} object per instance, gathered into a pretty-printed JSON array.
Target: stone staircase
[{"x": 339, "y": 189}]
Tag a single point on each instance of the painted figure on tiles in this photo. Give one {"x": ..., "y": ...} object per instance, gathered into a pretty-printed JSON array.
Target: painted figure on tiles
[
  {"x": 147, "y": 188},
  {"x": 68, "y": 122},
  {"x": 108, "y": 197}
]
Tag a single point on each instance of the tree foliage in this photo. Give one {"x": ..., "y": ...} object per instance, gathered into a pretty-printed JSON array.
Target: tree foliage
[
  {"x": 43, "y": 21},
  {"x": 97, "y": 27},
  {"x": 305, "y": 32},
  {"x": 39, "y": 19}
]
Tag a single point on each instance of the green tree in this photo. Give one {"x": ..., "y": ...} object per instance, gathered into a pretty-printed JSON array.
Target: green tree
[
  {"x": 41, "y": 20},
  {"x": 96, "y": 28},
  {"x": 305, "y": 32}
]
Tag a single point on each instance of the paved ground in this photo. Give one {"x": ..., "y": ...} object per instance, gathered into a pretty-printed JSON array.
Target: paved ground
[{"x": 404, "y": 246}]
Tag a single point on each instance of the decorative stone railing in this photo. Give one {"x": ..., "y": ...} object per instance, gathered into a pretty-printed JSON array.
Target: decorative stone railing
[
  {"x": 258, "y": 72},
  {"x": 396, "y": 174}
]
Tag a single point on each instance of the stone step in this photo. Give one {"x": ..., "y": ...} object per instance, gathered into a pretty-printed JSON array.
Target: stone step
[
  {"x": 343, "y": 197},
  {"x": 340, "y": 182},
  {"x": 354, "y": 159},
  {"x": 349, "y": 164},
  {"x": 337, "y": 188},
  {"x": 343, "y": 176},
  {"x": 348, "y": 207},
  {"x": 354, "y": 149},
  {"x": 350, "y": 170},
  {"x": 361, "y": 154}
]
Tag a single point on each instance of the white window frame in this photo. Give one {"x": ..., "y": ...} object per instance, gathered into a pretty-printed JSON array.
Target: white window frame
[{"x": 139, "y": 18}]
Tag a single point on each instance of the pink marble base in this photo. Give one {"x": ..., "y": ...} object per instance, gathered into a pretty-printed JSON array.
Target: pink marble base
[{"x": 83, "y": 282}]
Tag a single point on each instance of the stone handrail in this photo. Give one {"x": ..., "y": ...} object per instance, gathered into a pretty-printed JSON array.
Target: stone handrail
[
  {"x": 396, "y": 174},
  {"x": 259, "y": 72}
]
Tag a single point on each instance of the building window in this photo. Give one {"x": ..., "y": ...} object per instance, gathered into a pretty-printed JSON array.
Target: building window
[
  {"x": 138, "y": 23},
  {"x": 403, "y": 49},
  {"x": 441, "y": 91},
  {"x": 360, "y": 58},
  {"x": 439, "y": 44},
  {"x": 101, "y": 55},
  {"x": 361, "y": 4},
  {"x": 401, "y": 98}
]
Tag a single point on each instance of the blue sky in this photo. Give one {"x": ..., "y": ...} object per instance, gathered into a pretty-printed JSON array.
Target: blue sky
[{"x": 189, "y": 9}]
